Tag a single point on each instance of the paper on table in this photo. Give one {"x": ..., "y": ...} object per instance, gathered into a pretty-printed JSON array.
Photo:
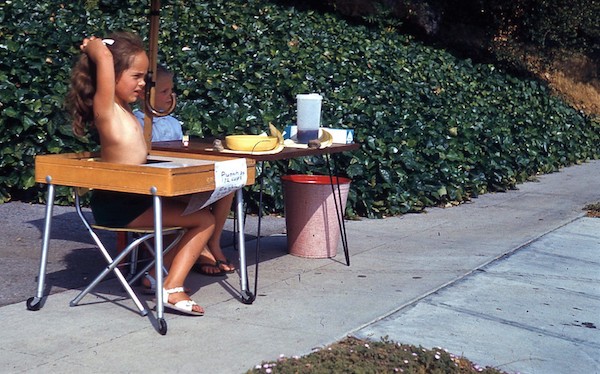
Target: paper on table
[{"x": 230, "y": 175}]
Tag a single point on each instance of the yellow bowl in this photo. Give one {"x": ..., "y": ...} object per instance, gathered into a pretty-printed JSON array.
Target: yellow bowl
[{"x": 251, "y": 143}]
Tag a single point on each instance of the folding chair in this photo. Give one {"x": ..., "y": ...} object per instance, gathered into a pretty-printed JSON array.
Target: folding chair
[{"x": 143, "y": 236}]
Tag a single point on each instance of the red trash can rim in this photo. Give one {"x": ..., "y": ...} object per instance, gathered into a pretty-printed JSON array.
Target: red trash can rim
[{"x": 314, "y": 179}]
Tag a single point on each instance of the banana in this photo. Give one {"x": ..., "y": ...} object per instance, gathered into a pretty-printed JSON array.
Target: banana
[
  {"x": 326, "y": 138},
  {"x": 276, "y": 133}
]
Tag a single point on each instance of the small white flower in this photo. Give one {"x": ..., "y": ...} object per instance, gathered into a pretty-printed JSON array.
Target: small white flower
[
  {"x": 186, "y": 49},
  {"x": 437, "y": 356}
]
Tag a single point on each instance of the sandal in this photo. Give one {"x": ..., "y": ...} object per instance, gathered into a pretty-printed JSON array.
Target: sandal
[
  {"x": 148, "y": 290},
  {"x": 183, "y": 306},
  {"x": 202, "y": 268},
  {"x": 227, "y": 263},
  {"x": 151, "y": 290}
]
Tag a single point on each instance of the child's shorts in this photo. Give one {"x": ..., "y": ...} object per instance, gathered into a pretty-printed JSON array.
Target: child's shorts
[{"x": 118, "y": 209}]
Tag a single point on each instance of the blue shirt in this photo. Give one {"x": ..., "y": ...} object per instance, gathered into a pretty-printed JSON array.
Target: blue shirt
[{"x": 163, "y": 128}]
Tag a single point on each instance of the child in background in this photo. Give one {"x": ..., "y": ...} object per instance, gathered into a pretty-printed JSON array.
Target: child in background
[
  {"x": 109, "y": 76},
  {"x": 212, "y": 261},
  {"x": 165, "y": 128}
]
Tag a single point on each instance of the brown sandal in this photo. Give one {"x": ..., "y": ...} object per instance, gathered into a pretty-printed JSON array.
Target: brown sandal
[
  {"x": 225, "y": 262},
  {"x": 202, "y": 268}
]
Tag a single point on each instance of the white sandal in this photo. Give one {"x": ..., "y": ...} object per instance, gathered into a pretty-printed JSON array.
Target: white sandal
[
  {"x": 183, "y": 306},
  {"x": 152, "y": 289}
]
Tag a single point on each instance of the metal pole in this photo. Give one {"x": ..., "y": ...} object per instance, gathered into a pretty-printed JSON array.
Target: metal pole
[
  {"x": 149, "y": 110},
  {"x": 151, "y": 77},
  {"x": 46, "y": 239}
]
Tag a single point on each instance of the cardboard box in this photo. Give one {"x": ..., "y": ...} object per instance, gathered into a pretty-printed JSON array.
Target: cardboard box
[{"x": 340, "y": 136}]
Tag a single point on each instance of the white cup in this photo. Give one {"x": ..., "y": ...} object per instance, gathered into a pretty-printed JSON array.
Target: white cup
[{"x": 308, "y": 107}]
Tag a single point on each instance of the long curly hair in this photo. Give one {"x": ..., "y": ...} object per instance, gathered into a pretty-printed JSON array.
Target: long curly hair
[{"x": 80, "y": 98}]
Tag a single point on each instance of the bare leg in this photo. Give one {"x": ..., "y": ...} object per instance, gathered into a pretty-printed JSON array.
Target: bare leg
[
  {"x": 220, "y": 210},
  {"x": 200, "y": 226}
]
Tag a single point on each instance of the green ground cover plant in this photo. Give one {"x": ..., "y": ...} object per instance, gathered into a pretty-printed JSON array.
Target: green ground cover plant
[
  {"x": 434, "y": 129},
  {"x": 352, "y": 355}
]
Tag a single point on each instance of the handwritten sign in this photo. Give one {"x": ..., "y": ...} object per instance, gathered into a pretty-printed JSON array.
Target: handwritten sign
[{"x": 230, "y": 176}]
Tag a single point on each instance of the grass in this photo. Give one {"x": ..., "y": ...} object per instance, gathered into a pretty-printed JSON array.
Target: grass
[{"x": 353, "y": 355}]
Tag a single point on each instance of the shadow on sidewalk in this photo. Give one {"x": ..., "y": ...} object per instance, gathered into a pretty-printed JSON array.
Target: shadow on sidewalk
[{"x": 74, "y": 261}]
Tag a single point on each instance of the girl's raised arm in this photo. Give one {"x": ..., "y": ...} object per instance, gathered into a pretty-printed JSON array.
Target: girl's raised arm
[{"x": 104, "y": 98}]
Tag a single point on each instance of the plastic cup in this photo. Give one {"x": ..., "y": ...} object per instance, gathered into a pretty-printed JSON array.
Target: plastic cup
[{"x": 308, "y": 119}]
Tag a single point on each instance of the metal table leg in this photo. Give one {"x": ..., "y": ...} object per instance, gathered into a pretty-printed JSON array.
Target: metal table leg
[
  {"x": 34, "y": 303},
  {"x": 339, "y": 206},
  {"x": 247, "y": 296},
  {"x": 158, "y": 245}
]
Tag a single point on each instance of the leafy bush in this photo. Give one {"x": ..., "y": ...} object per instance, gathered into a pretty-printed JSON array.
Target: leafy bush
[{"x": 434, "y": 129}]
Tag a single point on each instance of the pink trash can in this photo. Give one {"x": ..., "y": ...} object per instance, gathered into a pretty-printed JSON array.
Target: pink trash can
[{"x": 312, "y": 224}]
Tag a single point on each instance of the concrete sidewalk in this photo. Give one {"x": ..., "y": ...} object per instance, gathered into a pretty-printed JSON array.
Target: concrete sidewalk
[{"x": 511, "y": 280}]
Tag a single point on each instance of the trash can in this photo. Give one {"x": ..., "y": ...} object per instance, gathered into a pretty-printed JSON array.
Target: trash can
[{"x": 313, "y": 230}]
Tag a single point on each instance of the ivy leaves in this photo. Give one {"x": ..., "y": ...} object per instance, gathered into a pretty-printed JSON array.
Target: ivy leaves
[{"x": 433, "y": 129}]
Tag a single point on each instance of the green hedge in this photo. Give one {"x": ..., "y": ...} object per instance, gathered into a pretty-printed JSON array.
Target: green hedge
[{"x": 434, "y": 129}]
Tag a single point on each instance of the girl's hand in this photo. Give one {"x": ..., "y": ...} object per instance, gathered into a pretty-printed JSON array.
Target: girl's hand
[
  {"x": 93, "y": 47},
  {"x": 85, "y": 43}
]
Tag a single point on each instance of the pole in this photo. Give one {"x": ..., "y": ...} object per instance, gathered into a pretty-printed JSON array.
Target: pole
[{"x": 151, "y": 77}]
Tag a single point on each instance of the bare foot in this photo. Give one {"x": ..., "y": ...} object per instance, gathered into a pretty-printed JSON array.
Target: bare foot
[
  {"x": 212, "y": 270},
  {"x": 207, "y": 265},
  {"x": 221, "y": 261},
  {"x": 226, "y": 266}
]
